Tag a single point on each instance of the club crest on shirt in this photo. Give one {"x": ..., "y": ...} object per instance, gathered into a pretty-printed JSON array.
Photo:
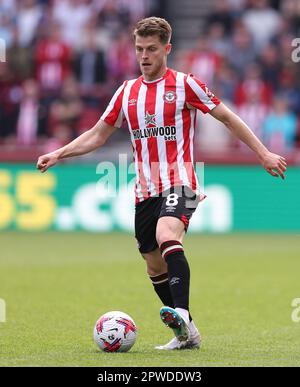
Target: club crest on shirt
[{"x": 170, "y": 96}]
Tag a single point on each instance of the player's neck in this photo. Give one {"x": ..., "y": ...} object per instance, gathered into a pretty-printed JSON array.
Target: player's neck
[{"x": 156, "y": 77}]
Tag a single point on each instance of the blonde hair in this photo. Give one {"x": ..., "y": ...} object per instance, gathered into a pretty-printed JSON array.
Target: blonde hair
[{"x": 153, "y": 26}]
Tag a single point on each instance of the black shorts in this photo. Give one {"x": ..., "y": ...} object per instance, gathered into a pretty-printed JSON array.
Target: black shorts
[{"x": 180, "y": 202}]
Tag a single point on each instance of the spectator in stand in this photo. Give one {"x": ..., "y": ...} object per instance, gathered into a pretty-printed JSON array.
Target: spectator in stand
[
  {"x": 8, "y": 7},
  {"x": 136, "y": 8},
  {"x": 225, "y": 81},
  {"x": 253, "y": 111},
  {"x": 290, "y": 9},
  {"x": 7, "y": 22},
  {"x": 182, "y": 59},
  {"x": 29, "y": 15},
  {"x": 66, "y": 110},
  {"x": 254, "y": 84},
  {"x": 121, "y": 59},
  {"x": 222, "y": 14},
  {"x": 32, "y": 116},
  {"x": 237, "y": 7},
  {"x": 288, "y": 87},
  {"x": 90, "y": 68},
  {"x": 20, "y": 58},
  {"x": 280, "y": 127},
  {"x": 241, "y": 51},
  {"x": 6, "y": 29},
  {"x": 262, "y": 21},
  {"x": 203, "y": 61},
  {"x": 133, "y": 10},
  {"x": 73, "y": 16},
  {"x": 219, "y": 42},
  {"x": 10, "y": 96},
  {"x": 53, "y": 62},
  {"x": 114, "y": 18},
  {"x": 270, "y": 64}
]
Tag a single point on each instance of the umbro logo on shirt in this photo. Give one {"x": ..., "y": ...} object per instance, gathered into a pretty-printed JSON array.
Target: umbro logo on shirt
[{"x": 132, "y": 102}]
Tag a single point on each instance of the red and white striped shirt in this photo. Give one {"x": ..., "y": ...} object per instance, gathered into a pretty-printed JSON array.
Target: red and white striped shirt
[{"x": 161, "y": 119}]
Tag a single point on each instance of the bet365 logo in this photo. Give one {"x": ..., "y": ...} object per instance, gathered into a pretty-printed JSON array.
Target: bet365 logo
[
  {"x": 296, "y": 51},
  {"x": 296, "y": 312},
  {"x": 2, "y": 310}
]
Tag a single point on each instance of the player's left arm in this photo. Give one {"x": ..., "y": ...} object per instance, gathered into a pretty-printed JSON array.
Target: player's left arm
[{"x": 272, "y": 163}]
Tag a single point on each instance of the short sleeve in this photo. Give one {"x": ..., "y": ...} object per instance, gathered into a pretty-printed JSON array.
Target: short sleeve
[
  {"x": 198, "y": 96},
  {"x": 113, "y": 114}
]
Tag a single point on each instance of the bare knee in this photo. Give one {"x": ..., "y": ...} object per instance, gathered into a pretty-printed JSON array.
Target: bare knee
[
  {"x": 156, "y": 265},
  {"x": 153, "y": 272},
  {"x": 164, "y": 237},
  {"x": 157, "y": 269}
]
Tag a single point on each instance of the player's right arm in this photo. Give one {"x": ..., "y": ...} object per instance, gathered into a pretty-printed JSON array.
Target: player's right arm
[{"x": 85, "y": 143}]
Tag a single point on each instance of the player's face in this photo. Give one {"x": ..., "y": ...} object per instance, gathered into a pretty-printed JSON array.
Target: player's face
[{"x": 152, "y": 55}]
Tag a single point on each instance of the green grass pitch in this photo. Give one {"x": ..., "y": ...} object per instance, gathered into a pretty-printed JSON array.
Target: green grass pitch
[{"x": 56, "y": 285}]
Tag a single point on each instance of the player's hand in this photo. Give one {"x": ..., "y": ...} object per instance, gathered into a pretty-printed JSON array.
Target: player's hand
[
  {"x": 274, "y": 164},
  {"x": 46, "y": 161}
]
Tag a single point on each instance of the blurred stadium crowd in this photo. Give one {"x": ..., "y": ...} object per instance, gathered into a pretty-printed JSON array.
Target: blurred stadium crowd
[{"x": 64, "y": 59}]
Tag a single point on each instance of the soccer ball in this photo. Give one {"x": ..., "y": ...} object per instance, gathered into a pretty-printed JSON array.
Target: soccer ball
[{"x": 115, "y": 332}]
